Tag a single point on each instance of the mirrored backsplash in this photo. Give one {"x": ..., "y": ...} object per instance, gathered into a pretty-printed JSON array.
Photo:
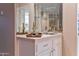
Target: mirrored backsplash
[{"x": 39, "y": 17}]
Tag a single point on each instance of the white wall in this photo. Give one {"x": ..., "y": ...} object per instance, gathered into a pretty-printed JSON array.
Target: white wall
[{"x": 69, "y": 29}]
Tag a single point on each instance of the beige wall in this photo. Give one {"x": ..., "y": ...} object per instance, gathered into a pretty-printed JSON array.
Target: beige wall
[{"x": 69, "y": 29}]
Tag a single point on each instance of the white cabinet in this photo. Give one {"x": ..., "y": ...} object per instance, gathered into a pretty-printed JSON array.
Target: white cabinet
[{"x": 48, "y": 46}]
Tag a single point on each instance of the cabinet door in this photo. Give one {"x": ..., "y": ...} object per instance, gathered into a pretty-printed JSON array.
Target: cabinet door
[
  {"x": 45, "y": 53},
  {"x": 26, "y": 47},
  {"x": 57, "y": 47},
  {"x": 54, "y": 51},
  {"x": 43, "y": 46}
]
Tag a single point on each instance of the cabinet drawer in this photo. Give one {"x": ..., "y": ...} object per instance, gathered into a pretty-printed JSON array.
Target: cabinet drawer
[{"x": 42, "y": 46}]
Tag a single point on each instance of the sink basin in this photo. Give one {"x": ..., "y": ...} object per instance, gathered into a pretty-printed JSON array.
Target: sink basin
[{"x": 34, "y": 35}]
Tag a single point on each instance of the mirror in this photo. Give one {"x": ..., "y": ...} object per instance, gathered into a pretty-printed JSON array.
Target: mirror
[
  {"x": 38, "y": 17},
  {"x": 48, "y": 17},
  {"x": 22, "y": 20}
]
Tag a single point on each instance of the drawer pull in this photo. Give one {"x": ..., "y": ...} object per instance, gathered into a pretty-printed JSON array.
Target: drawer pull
[{"x": 45, "y": 45}]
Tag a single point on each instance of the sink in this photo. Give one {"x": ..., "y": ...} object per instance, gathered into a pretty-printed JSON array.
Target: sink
[{"x": 34, "y": 35}]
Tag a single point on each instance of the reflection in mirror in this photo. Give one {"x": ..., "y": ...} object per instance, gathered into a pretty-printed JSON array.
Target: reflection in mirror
[
  {"x": 23, "y": 20},
  {"x": 26, "y": 21},
  {"x": 48, "y": 17}
]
